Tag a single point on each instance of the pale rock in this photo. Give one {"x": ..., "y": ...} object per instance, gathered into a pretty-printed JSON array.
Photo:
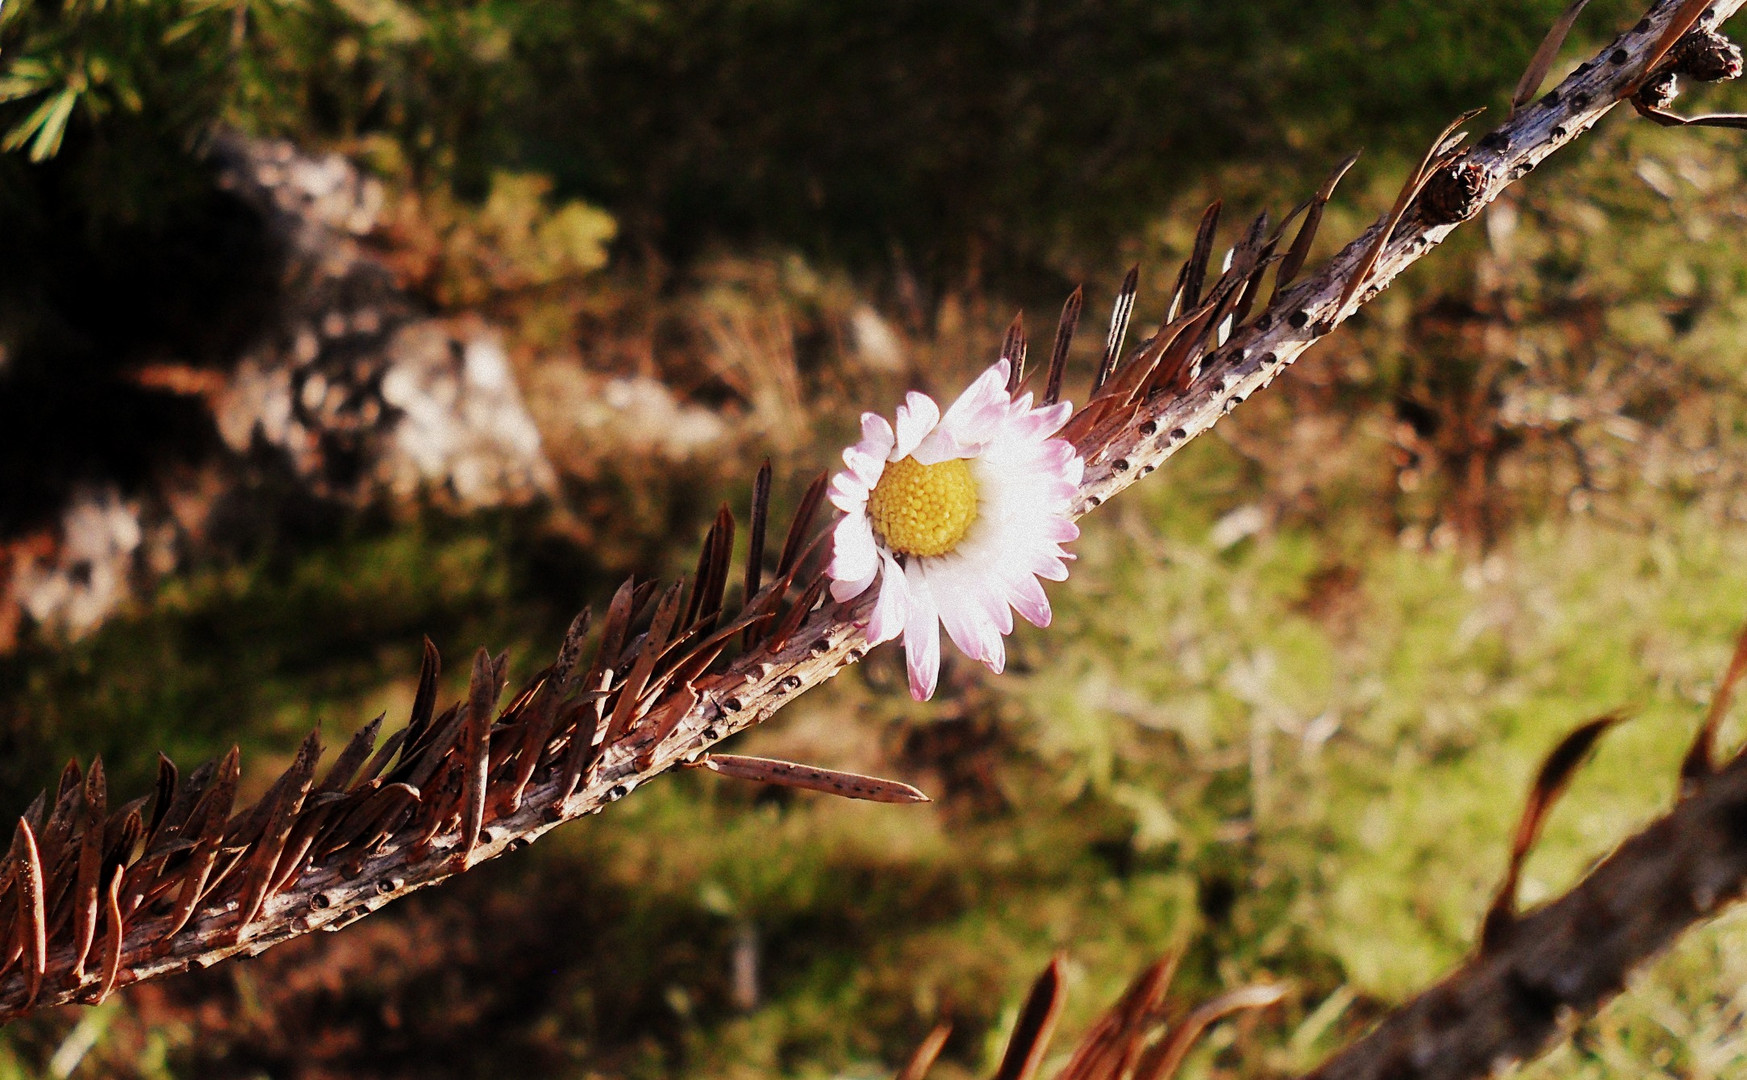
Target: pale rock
[{"x": 88, "y": 574}]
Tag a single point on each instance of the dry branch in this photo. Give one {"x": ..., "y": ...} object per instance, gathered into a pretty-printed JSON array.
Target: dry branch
[
  {"x": 1536, "y": 975},
  {"x": 192, "y": 884}
]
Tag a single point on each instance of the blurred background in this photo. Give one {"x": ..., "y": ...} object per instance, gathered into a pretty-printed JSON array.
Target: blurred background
[{"x": 327, "y": 324}]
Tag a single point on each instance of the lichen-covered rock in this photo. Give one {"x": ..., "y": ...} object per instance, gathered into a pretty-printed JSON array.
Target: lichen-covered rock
[
  {"x": 461, "y": 421},
  {"x": 349, "y": 383},
  {"x": 630, "y": 414},
  {"x": 363, "y": 393},
  {"x": 81, "y": 575}
]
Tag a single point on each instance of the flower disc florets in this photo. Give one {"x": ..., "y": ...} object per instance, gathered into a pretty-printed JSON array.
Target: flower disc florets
[
  {"x": 956, "y": 516},
  {"x": 922, "y": 509}
]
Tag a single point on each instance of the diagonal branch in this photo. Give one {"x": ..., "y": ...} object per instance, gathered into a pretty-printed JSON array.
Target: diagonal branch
[
  {"x": 1566, "y": 960},
  {"x": 1535, "y": 976},
  {"x": 190, "y": 883},
  {"x": 1306, "y": 312}
]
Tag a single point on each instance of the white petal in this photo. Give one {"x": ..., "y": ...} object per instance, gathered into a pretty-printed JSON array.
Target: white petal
[
  {"x": 948, "y": 585},
  {"x": 1058, "y": 530},
  {"x": 916, "y": 418},
  {"x": 864, "y": 466},
  {"x": 848, "y": 493},
  {"x": 849, "y": 589},
  {"x": 1000, "y": 613},
  {"x": 893, "y": 606},
  {"x": 1028, "y": 437},
  {"x": 940, "y": 446},
  {"x": 921, "y": 634},
  {"x": 997, "y": 658},
  {"x": 1042, "y": 423},
  {"x": 987, "y": 392},
  {"x": 854, "y": 558},
  {"x": 1047, "y": 565},
  {"x": 977, "y": 415}
]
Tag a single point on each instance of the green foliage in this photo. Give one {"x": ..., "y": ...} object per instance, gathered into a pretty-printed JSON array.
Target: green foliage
[
  {"x": 957, "y": 134},
  {"x": 513, "y": 243},
  {"x": 90, "y": 55}
]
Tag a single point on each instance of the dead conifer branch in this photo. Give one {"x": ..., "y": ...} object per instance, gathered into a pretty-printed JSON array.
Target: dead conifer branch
[
  {"x": 1123, "y": 444},
  {"x": 93, "y": 898},
  {"x": 1534, "y": 976}
]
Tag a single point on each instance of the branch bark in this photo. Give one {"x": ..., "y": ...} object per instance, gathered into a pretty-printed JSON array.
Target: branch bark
[{"x": 1564, "y": 961}]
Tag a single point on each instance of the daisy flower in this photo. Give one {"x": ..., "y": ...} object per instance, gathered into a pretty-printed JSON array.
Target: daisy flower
[{"x": 956, "y": 516}]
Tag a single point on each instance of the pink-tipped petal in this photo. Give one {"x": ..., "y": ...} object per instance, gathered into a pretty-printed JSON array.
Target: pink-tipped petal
[
  {"x": 848, "y": 589},
  {"x": 940, "y": 446},
  {"x": 956, "y": 591},
  {"x": 1054, "y": 416},
  {"x": 847, "y": 493},
  {"x": 864, "y": 466},
  {"x": 921, "y": 634},
  {"x": 999, "y": 613},
  {"x": 997, "y": 658},
  {"x": 1050, "y": 568},
  {"x": 1055, "y": 454},
  {"x": 988, "y": 392},
  {"x": 973, "y": 420},
  {"x": 1058, "y": 530}
]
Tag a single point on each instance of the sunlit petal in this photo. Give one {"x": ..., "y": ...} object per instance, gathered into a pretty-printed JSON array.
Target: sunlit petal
[{"x": 934, "y": 570}]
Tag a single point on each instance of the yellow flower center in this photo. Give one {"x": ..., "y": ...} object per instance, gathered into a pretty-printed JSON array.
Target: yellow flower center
[{"x": 922, "y": 509}]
